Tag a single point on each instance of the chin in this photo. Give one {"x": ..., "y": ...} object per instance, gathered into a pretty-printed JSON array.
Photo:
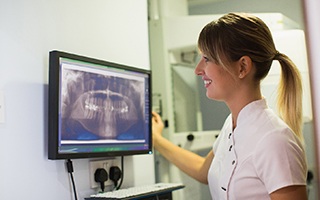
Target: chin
[{"x": 214, "y": 97}]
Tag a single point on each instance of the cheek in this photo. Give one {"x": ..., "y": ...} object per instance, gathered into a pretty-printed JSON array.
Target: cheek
[
  {"x": 220, "y": 77},
  {"x": 221, "y": 87}
]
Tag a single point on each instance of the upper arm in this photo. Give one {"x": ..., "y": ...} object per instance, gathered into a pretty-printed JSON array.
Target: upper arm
[
  {"x": 204, "y": 170},
  {"x": 296, "y": 192}
]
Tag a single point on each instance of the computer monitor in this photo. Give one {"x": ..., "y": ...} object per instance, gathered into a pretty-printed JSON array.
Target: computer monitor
[{"x": 97, "y": 108}]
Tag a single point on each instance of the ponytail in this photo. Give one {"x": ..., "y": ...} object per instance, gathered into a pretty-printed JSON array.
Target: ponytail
[{"x": 289, "y": 100}]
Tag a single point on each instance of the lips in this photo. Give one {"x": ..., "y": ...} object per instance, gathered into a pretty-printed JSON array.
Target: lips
[{"x": 207, "y": 83}]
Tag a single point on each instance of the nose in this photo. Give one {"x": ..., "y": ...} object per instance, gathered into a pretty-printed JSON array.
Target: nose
[{"x": 199, "y": 70}]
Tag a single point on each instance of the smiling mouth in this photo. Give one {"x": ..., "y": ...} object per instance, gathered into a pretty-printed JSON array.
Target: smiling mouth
[{"x": 207, "y": 82}]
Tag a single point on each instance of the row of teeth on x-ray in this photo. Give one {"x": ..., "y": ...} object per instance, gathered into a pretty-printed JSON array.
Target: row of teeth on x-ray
[{"x": 99, "y": 105}]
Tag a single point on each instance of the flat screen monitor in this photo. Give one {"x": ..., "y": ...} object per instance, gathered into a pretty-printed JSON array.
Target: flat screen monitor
[{"x": 97, "y": 108}]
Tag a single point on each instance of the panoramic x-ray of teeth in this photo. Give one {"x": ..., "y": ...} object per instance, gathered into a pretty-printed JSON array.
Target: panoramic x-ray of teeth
[{"x": 96, "y": 107}]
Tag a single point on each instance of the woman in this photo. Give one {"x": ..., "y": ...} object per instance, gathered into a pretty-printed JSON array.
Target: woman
[{"x": 257, "y": 155}]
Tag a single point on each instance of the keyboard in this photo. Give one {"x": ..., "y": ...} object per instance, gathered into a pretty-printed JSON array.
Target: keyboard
[{"x": 137, "y": 192}]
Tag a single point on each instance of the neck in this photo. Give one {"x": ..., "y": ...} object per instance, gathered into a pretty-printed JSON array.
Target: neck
[{"x": 237, "y": 104}]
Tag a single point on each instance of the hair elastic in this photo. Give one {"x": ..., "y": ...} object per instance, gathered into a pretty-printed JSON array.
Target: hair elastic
[{"x": 277, "y": 55}]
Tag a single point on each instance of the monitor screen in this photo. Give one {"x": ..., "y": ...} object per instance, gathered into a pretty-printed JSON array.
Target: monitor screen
[{"x": 97, "y": 108}]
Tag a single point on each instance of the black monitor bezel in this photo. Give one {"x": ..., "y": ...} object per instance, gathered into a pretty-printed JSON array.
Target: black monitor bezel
[{"x": 53, "y": 107}]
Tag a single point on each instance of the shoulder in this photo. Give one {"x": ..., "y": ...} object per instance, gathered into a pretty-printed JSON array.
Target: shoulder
[
  {"x": 279, "y": 159},
  {"x": 279, "y": 139}
]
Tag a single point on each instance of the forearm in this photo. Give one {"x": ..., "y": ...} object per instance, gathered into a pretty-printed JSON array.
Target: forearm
[{"x": 190, "y": 163}]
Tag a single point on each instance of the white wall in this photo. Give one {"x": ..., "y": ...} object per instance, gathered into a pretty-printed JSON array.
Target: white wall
[{"x": 114, "y": 30}]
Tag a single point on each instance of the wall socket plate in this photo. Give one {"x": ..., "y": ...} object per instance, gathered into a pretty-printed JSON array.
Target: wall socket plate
[{"x": 106, "y": 164}]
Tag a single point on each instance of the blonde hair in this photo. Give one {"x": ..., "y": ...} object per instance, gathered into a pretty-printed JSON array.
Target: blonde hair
[{"x": 238, "y": 34}]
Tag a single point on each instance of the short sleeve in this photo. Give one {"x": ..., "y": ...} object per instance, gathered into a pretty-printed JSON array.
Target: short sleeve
[{"x": 280, "y": 160}]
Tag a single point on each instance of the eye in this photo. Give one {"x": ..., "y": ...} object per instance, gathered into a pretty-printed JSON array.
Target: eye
[{"x": 206, "y": 59}]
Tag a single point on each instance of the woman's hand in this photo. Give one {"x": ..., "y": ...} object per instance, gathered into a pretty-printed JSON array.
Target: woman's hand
[{"x": 157, "y": 127}]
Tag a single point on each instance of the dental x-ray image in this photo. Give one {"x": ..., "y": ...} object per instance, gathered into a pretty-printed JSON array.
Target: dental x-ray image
[{"x": 95, "y": 106}]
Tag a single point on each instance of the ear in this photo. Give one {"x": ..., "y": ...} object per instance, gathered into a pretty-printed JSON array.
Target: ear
[{"x": 245, "y": 66}]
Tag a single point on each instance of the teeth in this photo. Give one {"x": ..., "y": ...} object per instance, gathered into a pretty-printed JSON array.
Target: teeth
[
  {"x": 207, "y": 82},
  {"x": 105, "y": 114}
]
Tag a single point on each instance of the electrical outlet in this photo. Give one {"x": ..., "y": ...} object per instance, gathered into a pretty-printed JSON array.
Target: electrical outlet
[{"x": 106, "y": 164}]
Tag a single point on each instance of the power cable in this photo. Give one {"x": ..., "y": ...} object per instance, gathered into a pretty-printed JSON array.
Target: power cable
[{"x": 70, "y": 171}]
